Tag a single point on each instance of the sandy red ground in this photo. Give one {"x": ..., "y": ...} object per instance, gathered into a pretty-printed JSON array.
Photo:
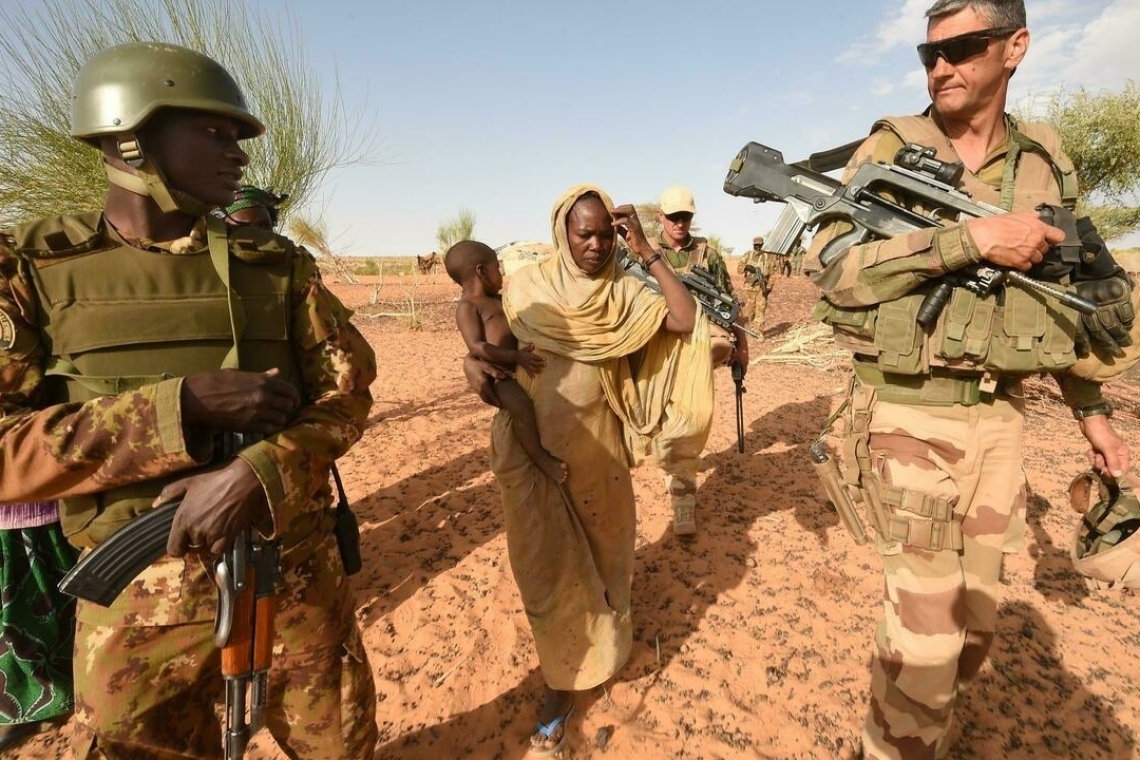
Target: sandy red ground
[{"x": 751, "y": 640}]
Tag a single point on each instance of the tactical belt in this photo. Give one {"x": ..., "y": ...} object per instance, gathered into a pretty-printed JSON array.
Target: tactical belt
[{"x": 939, "y": 388}]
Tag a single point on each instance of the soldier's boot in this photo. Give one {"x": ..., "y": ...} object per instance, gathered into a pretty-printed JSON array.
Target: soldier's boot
[
  {"x": 684, "y": 515},
  {"x": 681, "y": 485}
]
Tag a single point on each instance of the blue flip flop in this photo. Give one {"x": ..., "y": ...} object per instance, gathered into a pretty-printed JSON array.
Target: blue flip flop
[{"x": 547, "y": 730}]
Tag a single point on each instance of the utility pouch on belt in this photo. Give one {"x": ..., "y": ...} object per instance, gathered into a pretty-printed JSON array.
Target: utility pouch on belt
[
  {"x": 900, "y": 516},
  {"x": 347, "y": 530},
  {"x": 836, "y": 489}
]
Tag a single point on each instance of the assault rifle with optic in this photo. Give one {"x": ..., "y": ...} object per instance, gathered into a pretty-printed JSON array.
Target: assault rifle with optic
[
  {"x": 812, "y": 199},
  {"x": 718, "y": 306}
]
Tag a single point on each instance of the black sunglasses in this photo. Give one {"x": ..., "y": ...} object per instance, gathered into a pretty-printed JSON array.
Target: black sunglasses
[
  {"x": 957, "y": 49},
  {"x": 679, "y": 216}
]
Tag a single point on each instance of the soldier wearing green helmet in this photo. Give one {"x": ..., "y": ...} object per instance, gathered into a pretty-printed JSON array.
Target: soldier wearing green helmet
[{"x": 138, "y": 344}]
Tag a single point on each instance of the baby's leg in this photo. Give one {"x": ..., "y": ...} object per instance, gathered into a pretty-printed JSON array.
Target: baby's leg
[{"x": 517, "y": 404}]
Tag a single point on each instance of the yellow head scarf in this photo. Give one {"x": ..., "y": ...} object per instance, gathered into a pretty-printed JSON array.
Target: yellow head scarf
[
  {"x": 602, "y": 319},
  {"x": 586, "y": 317}
]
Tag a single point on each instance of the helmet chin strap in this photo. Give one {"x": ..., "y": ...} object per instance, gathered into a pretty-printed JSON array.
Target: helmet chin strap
[{"x": 147, "y": 180}]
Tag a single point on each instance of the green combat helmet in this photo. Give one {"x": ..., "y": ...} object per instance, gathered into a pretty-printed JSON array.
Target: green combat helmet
[
  {"x": 119, "y": 89},
  {"x": 1107, "y": 545}
]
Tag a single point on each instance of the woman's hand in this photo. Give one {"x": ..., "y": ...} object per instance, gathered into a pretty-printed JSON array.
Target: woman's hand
[
  {"x": 481, "y": 377},
  {"x": 628, "y": 225}
]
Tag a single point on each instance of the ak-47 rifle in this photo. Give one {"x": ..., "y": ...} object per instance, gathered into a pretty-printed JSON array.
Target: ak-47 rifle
[
  {"x": 759, "y": 172},
  {"x": 246, "y": 575},
  {"x": 720, "y": 307}
]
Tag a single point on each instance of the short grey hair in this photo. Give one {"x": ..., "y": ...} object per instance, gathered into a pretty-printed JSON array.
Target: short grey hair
[{"x": 997, "y": 13}]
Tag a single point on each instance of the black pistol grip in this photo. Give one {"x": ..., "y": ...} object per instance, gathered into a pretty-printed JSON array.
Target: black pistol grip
[{"x": 102, "y": 574}]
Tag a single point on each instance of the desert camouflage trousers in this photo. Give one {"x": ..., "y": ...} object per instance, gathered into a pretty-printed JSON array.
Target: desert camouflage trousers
[
  {"x": 940, "y": 607},
  {"x": 755, "y": 307},
  {"x": 154, "y": 691}
]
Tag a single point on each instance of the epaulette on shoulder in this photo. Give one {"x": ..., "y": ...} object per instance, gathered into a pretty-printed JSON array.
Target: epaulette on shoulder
[
  {"x": 256, "y": 245},
  {"x": 60, "y": 236}
]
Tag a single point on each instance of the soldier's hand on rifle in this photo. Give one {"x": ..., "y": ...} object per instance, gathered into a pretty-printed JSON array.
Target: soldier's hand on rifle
[
  {"x": 238, "y": 401},
  {"x": 1016, "y": 240},
  {"x": 216, "y": 506},
  {"x": 1110, "y": 326},
  {"x": 628, "y": 225}
]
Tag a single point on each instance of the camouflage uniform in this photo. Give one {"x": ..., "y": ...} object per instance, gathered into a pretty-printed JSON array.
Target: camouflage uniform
[
  {"x": 146, "y": 669},
  {"x": 756, "y": 294},
  {"x": 681, "y": 473},
  {"x": 796, "y": 260},
  {"x": 936, "y": 432}
]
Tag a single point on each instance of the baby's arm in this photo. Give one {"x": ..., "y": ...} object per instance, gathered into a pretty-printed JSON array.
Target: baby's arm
[{"x": 470, "y": 323}]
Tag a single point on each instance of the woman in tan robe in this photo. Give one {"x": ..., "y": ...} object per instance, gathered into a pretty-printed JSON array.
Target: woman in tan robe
[{"x": 610, "y": 395}]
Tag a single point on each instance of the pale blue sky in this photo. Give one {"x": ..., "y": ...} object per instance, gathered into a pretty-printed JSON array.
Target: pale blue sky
[{"x": 498, "y": 107}]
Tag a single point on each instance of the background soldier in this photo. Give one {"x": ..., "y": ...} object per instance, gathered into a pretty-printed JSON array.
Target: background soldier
[
  {"x": 118, "y": 389},
  {"x": 756, "y": 266},
  {"x": 796, "y": 260},
  {"x": 936, "y": 420},
  {"x": 253, "y": 205},
  {"x": 683, "y": 251}
]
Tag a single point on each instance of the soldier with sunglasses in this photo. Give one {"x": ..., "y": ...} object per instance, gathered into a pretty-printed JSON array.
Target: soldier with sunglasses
[{"x": 935, "y": 418}]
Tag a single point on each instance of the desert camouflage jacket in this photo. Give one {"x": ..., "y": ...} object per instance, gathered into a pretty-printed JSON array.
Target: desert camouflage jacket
[{"x": 75, "y": 449}]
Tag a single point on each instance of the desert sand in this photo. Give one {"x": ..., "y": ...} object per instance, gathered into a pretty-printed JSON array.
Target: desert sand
[{"x": 751, "y": 639}]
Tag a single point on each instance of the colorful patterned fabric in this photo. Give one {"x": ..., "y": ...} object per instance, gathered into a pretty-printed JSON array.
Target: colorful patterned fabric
[{"x": 38, "y": 625}]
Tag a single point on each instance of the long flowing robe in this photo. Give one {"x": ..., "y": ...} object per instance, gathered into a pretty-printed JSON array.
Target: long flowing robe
[{"x": 616, "y": 388}]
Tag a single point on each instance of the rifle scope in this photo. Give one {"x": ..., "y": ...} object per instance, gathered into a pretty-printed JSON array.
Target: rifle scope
[{"x": 920, "y": 158}]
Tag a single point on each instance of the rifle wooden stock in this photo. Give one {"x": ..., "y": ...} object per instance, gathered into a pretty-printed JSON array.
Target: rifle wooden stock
[
  {"x": 102, "y": 574},
  {"x": 246, "y": 576}
]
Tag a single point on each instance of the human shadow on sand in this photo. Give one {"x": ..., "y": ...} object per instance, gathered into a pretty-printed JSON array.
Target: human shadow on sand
[
  {"x": 421, "y": 526},
  {"x": 1053, "y": 573},
  {"x": 677, "y": 580},
  {"x": 1028, "y": 706}
]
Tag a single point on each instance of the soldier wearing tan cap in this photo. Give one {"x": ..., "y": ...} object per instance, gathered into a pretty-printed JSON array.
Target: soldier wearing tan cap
[{"x": 683, "y": 251}]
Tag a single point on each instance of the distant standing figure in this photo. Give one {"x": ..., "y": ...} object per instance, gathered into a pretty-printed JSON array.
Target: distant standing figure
[
  {"x": 797, "y": 259},
  {"x": 757, "y": 271},
  {"x": 481, "y": 321},
  {"x": 683, "y": 251},
  {"x": 37, "y": 621}
]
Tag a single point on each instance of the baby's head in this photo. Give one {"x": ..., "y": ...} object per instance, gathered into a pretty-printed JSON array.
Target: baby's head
[{"x": 468, "y": 259}]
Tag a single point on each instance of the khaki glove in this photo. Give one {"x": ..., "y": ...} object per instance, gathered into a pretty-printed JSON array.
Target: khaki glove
[{"x": 1111, "y": 324}]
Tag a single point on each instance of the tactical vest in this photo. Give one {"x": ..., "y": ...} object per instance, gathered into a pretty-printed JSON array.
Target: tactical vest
[
  {"x": 1011, "y": 331},
  {"x": 698, "y": 256},
  {"x": 113, "y": 318}
]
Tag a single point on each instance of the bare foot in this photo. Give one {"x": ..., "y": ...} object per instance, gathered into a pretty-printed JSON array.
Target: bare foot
[
  {"x": 553, "y": 468},
  {"x": 550, "y": 733}
]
